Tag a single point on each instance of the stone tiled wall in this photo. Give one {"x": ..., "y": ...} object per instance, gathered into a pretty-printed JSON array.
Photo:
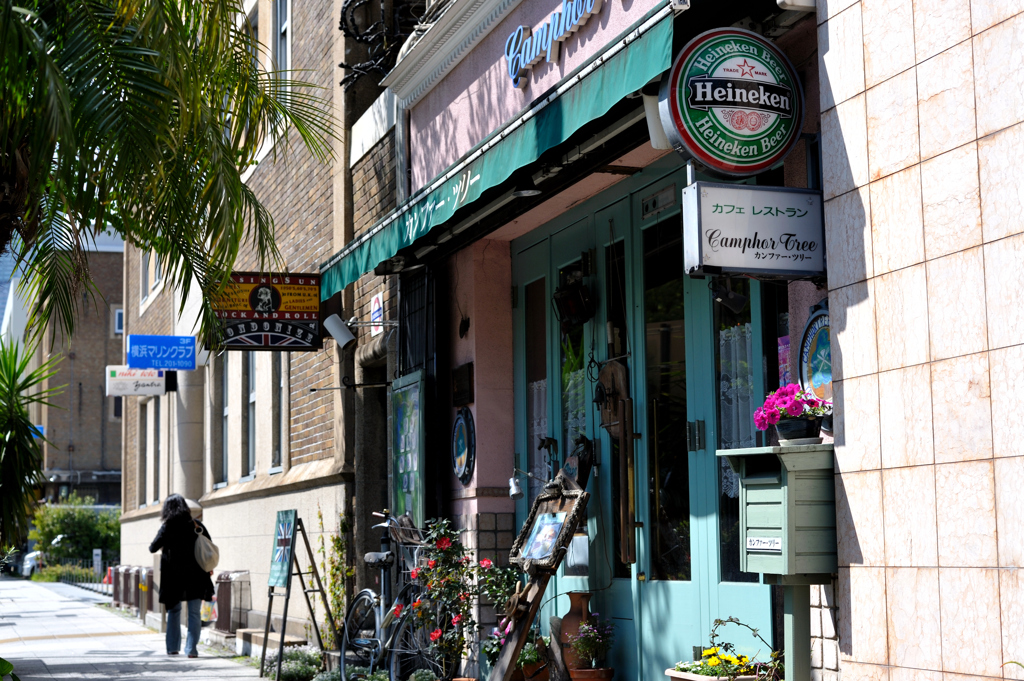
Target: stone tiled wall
[
  {"x": 824, "y": 633},
  {"x": 922, "y": 110}
]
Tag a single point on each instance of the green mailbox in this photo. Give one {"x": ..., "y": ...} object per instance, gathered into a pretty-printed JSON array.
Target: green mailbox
[{"x": 787, "y": 511}]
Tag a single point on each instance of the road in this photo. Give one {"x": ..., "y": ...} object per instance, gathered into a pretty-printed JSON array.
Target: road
[{"x": 58, "y": 631}]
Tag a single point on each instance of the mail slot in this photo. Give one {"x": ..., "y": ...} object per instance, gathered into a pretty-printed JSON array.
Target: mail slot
[{"x": 787, "y": 509}]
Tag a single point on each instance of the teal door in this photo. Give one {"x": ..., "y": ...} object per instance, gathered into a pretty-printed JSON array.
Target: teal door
[{"x": 689, "y": 363}]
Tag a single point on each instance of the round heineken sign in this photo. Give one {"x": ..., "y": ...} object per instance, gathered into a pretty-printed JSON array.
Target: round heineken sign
[{"x": 733, "y": 102}]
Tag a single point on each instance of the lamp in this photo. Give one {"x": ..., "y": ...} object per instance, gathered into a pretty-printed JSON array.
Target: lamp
[
  {"x": 724, "y": 295},
  {"x": 339, "y": 331},
  {"x": 515, "y": 490}
]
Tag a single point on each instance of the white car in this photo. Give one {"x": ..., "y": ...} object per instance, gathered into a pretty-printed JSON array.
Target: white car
[{"x": 32, "y": 562}]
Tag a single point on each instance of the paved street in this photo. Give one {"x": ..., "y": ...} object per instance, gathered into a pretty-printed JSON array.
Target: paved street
[{"x": 58, "y": 631}]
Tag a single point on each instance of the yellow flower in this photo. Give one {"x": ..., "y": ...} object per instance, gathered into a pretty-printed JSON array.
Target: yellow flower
[
  {"x": 714, "y": 662},
  {"x": 709, "y": 652}
]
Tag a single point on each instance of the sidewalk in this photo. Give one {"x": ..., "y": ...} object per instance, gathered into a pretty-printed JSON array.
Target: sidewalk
[{"x": 57, "y": 631}]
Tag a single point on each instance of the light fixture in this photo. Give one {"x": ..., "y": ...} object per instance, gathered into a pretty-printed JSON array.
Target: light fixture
[
  {"x": 724, "y": 295},
  {"x": 515, "y": 491},
  {"x": 339, "y": 331},
  {"x": 524, "y": 192}
]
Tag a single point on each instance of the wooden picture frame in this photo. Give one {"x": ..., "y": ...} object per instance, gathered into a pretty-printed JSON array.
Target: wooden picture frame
[{"x": 554, "y": 516}]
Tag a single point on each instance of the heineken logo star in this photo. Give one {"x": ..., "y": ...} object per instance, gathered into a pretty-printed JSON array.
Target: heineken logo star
[{"x": 746, "y": 69}]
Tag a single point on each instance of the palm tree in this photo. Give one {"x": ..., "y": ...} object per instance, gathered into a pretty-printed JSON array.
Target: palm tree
[
  {"x": 21, "y": 456},
  {"x": 138, "y": 116}
]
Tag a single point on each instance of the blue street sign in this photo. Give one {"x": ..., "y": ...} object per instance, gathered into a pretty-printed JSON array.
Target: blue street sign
[{"x": 162, "y": 352}]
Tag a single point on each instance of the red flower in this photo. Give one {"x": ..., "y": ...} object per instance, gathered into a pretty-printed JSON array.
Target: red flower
[
  {"x": 444, "y": 543},
  {"x": 398, "y": 609},
  {"x": 434, "y": 635},
  {"x": 417, "y": 603},
  {"x": 431, "y": 564},
  {"x": 415, "y": 573},
  {"x": 486, "y": 564},
  {"x": 463, "y": 596},
  {"x": 456, "y": 620}
]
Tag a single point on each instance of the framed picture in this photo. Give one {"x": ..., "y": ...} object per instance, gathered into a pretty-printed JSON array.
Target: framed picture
[
  {"x": 410, "y": 446},
  {"x": 544, "y": 538}
]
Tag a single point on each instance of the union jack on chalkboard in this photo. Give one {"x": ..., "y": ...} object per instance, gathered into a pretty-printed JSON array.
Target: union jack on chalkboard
[{"x": 284, "y": 541}]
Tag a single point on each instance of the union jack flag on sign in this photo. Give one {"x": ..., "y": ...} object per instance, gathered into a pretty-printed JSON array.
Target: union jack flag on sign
[{"x": 284, "y": 542}]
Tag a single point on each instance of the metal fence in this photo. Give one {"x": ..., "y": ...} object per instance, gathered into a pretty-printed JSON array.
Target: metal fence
[{"x": 82, "y": 573}]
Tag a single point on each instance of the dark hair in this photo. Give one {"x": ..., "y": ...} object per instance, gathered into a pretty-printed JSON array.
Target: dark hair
[{"x": 174, "y": 505}]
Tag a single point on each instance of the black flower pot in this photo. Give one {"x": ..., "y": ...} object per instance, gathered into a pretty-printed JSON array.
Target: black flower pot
[{"x": 799, "y": 427}]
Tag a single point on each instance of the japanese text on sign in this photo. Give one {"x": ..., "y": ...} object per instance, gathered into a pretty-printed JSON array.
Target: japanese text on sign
[
  {"x": 162, "y": 352},
  {"x": 754, "y": 230}
]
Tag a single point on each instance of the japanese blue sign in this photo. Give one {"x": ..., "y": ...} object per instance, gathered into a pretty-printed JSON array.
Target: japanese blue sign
[{"x": 162, "y": 352}]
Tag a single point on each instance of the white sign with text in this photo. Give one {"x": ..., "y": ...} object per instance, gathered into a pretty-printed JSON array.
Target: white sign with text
[
  {"x": 122, "y": 380},
  {"x": 764, "y": 544},
  {"x": 744, "y": 229}
]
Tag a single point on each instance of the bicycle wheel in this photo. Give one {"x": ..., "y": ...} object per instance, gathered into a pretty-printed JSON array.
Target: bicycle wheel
[
  {"x": 361, "y": 647},
  {"x": 411, "y": 650}
]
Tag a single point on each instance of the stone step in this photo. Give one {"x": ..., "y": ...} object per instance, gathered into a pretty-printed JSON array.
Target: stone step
[{"x": 250, "y": 641}]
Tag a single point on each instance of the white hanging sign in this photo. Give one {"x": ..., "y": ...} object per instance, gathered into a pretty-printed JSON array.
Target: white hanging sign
[
  {"x": 122, "y": 380},
  {"x": 744, "y": 229}
]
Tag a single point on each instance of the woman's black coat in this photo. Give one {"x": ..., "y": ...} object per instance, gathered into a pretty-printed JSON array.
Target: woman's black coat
[{"x": 181, "y": 578}]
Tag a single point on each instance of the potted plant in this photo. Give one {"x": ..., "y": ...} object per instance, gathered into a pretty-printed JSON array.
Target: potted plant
[
  {"x": 590, "y": 644},
  {"x": 719, "y": 660},
  {"x": 796, "y": 414}
]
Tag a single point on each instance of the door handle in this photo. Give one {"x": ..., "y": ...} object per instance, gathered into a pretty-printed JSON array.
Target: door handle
[{"x": 627, "y": 483}]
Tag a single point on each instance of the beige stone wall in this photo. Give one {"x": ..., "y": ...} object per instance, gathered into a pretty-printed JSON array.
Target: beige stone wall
[{"x": 922, "y": 110}]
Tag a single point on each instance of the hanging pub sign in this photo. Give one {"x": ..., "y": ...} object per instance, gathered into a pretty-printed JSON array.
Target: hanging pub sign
[
  {"x": 123, "y": 380},
  {"x": 270, "y": 312},
  {"x": 733, "y": 102},
  {"x": 773, "y": 232}
]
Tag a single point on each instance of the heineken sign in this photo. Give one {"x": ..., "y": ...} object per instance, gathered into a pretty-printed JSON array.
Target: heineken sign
[{"x": 733, "y": 102}]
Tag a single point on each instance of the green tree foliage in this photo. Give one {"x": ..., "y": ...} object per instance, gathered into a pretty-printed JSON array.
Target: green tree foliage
[
  {"x": 138, "y": 116},
  {"x": 80, "y": 528},
  {"x": 21, "y": 458}
]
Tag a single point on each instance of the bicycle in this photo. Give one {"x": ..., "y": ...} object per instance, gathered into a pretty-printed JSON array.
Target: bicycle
[{"x": 372, "y": 639}]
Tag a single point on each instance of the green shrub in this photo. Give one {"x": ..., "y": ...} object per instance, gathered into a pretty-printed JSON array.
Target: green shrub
[
  {"x": 300, "y": 663},
  {"x": 333, "y": 675},
  {"x": 70, "y": 573},
  {"x": 81, "y": 527}
]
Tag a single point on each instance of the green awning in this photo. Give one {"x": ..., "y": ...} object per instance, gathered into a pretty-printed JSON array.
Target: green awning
[{"x": 641, "y": 60}]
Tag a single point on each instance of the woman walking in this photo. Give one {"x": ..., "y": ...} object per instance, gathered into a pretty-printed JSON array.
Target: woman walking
[{"x": 181, "y": 578}]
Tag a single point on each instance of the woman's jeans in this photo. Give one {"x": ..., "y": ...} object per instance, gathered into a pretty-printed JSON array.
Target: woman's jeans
[{"x": 174, "y": 627}]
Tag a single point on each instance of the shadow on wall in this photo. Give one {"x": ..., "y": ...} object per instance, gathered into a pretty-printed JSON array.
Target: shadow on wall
[{"x": 848, "y": 248}]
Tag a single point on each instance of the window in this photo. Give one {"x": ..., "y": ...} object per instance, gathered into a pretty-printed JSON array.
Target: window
[
  {"x": 150, "y": 273},
  {"x": 143, "y": 455},
  {"x": 224, "y": 430},
  {"x": 156, "y": 449},
  {"x": 117, "y": 406},
  {"x": 280, "y": 407},
  {"x": 249, "y": 389},
  {"x": 282, "y": 34},
  {"x": 118, "y": 321}
]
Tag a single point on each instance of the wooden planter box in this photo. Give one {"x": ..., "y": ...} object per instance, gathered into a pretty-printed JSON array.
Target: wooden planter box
[{"x": 673, "y": 674}]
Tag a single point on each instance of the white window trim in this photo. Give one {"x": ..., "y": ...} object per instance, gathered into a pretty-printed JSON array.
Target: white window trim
[
  {"x": 118, "y": 312},
  {"x": 146, "y": 298}
]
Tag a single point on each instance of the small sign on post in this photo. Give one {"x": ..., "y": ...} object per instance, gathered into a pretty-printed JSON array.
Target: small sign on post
[{"x": 97, "y": 562}]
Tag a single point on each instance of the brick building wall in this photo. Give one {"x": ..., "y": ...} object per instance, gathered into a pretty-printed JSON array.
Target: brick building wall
[
  {"x": 152, "y": 314},
  {"x": 297, "y": 189},
  {"x": 84, "y": 436},
  {"x": 374, "y": 196}
]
